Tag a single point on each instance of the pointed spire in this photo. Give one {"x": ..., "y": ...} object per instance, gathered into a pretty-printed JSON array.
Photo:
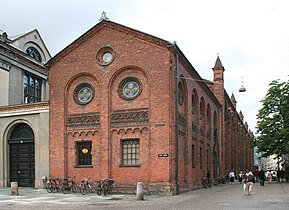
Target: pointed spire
[
  {"x": 103, "y": 17},
  {"x": 218, "y": 70},
  {"x": 218, "y": 63}
]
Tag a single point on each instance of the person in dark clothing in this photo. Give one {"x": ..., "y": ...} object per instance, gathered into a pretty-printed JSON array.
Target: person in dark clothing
[
  {"x": 262, "y": 177},
  {"x": 250, "y": 180},
  {"x": 278, "y": 175},
  {"x": 209, "y": 178}
]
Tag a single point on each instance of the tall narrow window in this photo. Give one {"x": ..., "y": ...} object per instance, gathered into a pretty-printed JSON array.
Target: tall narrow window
[
  {"x": 193, "y": 156},
  {"x": 26, "y": 86},
  {"x": 194, "y": 104},
  {"x": 130, "y": 152},
  {"x": 32, "y": 89},
  {"x": 208, "y": 160},
  {"x": 201, "y": 158},
  {"x": 84, "y": 154},
  {"x": 201, "y": 109}
]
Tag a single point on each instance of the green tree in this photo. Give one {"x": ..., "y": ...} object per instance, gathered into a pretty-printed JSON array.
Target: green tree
[{"x": 273, "y": 121}]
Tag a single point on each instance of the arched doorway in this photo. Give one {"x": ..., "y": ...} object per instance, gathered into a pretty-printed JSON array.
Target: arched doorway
[{"x": 21, "y": 155}]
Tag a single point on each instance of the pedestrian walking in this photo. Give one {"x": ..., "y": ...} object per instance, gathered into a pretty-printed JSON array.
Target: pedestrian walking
[
  {"x": 249, "y": 182},
  {"x": 209, "y": 178},
  {"x": 269, "y": 176},
  {"x": 240, "y": 177},
  {"x": 232, "y": 177},
  {"x": 262, "y": 177}
]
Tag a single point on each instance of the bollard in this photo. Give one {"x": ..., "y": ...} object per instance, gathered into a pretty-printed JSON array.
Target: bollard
[
  {"x": 139, "y": 191},
  {"x": 14, "y": 188},
  {"x": 44, "y": 180}
]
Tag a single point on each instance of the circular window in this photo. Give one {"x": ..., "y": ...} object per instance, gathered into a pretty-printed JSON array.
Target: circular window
[
  {"x": 83, "y": 94},
  {"x": 105, "y": 55},
  {"x": 129, "y": 88}
]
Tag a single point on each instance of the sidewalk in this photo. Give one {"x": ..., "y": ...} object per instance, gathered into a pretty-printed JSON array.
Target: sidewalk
[
  {"x": 28, "y": 196},
  {"x": 271, "y": 196}
]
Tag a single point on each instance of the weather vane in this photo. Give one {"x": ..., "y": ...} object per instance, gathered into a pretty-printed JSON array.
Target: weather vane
[{"x": 103, "y": 17}]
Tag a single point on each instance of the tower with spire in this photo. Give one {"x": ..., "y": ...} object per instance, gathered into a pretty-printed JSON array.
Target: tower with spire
[
  {"x": 219, "y": 79},
  {"x": 219, "y": 91}
]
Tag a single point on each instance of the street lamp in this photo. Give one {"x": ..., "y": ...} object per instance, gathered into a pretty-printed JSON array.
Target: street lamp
[{"x": 242, "y": 88}]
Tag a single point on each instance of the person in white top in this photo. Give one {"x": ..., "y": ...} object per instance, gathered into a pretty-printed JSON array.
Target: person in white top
[
  {"x": 269, "y": 175},
  {"x": 232, "y": 177}
]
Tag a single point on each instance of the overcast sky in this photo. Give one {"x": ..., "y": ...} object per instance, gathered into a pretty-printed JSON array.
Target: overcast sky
[{"x": 251, "y": 36}]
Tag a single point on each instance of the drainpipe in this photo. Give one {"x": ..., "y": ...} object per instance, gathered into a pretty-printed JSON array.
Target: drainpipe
[{"x": 177, "y": 123}]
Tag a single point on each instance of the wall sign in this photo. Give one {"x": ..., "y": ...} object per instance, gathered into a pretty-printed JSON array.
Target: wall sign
[{"x": 163, "y": 155}]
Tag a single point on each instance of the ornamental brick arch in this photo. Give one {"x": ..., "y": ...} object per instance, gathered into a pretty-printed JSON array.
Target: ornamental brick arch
[
  {"x": 74, "y": 85},
  {"x": 124, "y": 101},
  {"x": 82, "y": 121},
  {"x": 129, "y": 108}
]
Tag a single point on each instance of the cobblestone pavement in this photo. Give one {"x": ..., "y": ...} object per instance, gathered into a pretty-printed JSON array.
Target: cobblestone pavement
[{"x": 271, "y": 196}]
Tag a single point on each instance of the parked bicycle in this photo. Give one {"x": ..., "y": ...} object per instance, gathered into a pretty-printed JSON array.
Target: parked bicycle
[
  {"x": 87, "y": 186},
  {"x": 69, "y": 185},
  {"x": 109, "y": 185},
  {"x": 53, "y": 185},
  {"x": 221, "y": 180}
]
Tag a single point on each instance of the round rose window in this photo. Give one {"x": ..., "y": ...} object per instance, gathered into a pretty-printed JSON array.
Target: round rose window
[
  {"x": 129, "y": 88},
  {"x": 83, "y": 94}
]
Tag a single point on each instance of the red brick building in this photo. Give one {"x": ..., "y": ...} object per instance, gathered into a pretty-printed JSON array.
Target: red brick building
[{"x": 115, "y": 113}]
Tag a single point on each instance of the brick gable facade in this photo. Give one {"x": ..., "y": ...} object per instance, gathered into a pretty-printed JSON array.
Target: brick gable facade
[{"x": 132, "y": 98}]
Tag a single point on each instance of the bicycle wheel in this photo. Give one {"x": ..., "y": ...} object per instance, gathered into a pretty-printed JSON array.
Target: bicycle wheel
[
  {"x": 74, "y": 187},
  {"x": 48, "y": 187},
  {"x": 98, "y": 190},
  {"x": 109, "y": 189},
  {"x": 105, "y": 189},
  {"x": 54, "y": 187},
  {"x": 65, "y": 188},
  {"x": 83, "y": 189}
]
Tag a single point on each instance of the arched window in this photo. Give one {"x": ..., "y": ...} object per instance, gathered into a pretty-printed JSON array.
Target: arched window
[
  {"x": 202, "y": 109},
  {"x": 194, "y": 103},
  {"x": 34, "y": 53},
  {"x": 208, "y": 114},
  {"x": 181, "y": 93},
  {"x": 32, "y": 89},
  {"x": 215, "y": 127}
]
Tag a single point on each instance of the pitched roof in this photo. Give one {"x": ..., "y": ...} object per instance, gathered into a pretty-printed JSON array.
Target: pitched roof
[
  {"x": 113, "y": 26},
  {"x": 20, "y": 36}
]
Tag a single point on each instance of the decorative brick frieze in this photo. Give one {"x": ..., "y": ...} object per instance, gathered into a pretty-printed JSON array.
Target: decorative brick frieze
[
  {"x": 129, "y": 118},
  {"x": 121, "y": 131},
  {"x": 182, "y": 122},
  {"x": 87, "y": 120},
  {"x": 202, "y": 135},
  {"x": 195, "y": 128}
]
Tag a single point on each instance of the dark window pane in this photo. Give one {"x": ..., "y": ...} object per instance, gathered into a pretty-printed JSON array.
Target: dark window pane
[
  {"x": 33, "y": 53},
  {"x": 84, "y": 154},
  {"x": 32, "y": 89}
]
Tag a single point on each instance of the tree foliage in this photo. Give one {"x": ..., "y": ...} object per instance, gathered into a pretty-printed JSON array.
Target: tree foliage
[{"x": 273, "y": 121}]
